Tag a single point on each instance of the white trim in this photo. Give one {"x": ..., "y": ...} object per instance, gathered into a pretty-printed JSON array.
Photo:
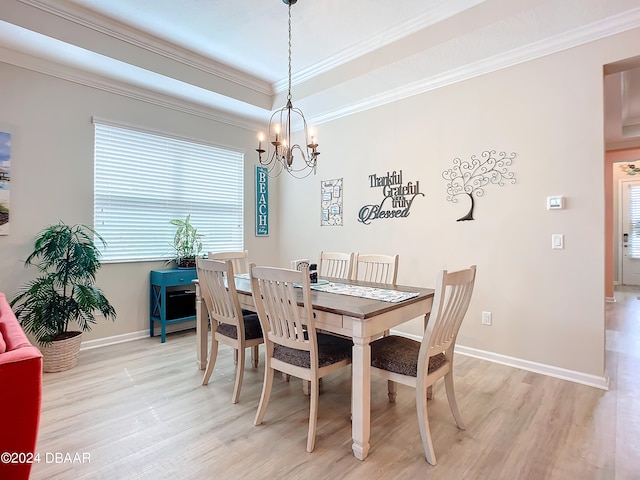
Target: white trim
[
  {"x": 588, "y": 33},
  {"x": 103, "y": 342},
  {"x": 601, "y": 382},
  {"x": 139, "y": 335}
]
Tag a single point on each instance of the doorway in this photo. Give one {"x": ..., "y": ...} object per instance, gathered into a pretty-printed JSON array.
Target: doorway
[{"x": 629, "y": 232}]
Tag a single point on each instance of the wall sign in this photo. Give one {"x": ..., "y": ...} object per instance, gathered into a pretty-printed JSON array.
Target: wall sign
[
  {"x": 331, "y": 202},
  {"x": 262, "y": 201},
  {"x": 397, "y": 197}
]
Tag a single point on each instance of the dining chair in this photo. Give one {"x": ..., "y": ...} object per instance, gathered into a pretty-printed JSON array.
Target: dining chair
[
  {"x": 228, "y": 325},
  {"x": 336, "y": 265},
  {"x": 239, "y": 259},
  {"x": 292, "y": 344},
  {"x": 376, "y": 268},
  {"x": 420, "y": 364}
]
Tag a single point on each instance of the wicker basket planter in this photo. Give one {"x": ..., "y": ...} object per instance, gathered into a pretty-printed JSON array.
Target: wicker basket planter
[{"x": 61, "y": 355}]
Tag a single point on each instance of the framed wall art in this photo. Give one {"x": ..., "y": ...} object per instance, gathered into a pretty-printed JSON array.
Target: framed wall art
[
  {"x": 5, "y": 181},
  {"x": 331, "y": 202}
]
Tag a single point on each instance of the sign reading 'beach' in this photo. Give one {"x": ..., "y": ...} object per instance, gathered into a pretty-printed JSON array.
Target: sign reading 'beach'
[{"x": 397, "y": 197}]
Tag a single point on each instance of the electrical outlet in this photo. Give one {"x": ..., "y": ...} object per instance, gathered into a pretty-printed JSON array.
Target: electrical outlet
[{"x": 486, "y": 318}]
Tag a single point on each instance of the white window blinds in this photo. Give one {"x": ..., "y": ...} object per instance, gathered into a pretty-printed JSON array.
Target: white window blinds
[
  {"x": 634, "y": 219},
  {"x": 143, "y": 180}
]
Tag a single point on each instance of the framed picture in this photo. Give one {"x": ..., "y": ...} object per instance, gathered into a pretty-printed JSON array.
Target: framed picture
[
  {"x": 331, "y": 202},
  {"x": 5, "y": 181}
]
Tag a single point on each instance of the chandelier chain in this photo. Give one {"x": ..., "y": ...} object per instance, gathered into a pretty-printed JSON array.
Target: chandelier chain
[{"x": 289, "y": 93}]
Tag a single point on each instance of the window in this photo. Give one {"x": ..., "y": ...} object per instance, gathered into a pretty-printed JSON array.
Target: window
[
  {"x": 634, "y": 221},
  {"x": 144, "y": 180}
]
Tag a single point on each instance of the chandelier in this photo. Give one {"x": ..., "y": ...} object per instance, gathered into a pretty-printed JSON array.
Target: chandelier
[{"x": 279, "y": 143}]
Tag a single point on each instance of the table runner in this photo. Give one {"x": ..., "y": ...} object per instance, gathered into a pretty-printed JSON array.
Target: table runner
[{"x": 372, "y": 293}]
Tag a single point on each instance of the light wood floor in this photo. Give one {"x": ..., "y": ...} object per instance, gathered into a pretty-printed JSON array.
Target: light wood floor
[{"x": 138, "y": 411}]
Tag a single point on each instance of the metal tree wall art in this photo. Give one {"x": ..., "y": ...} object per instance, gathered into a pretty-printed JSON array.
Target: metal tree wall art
[{"x": 470, "y": 178}]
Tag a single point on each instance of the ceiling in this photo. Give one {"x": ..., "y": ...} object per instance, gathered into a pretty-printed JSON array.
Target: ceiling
[{"x": 228, "y": 59}]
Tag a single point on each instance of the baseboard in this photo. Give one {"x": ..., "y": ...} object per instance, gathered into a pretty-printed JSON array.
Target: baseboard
[
  {"x": 129, "y": 337},
  {"x": 610, "y": 299},
  {"x": 601, "y": 382},
  {"x": 103, "y": 342}
]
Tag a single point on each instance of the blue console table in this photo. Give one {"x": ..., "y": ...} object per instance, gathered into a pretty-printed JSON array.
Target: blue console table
[{"x": 163, "y": 283}]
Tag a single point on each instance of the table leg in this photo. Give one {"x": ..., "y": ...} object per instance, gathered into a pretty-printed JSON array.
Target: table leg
[
  {"x": 361, "y": 397},
  {"x": 202, "y": 332}
]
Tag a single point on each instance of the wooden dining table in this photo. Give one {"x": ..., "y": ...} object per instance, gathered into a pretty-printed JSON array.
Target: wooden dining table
[{"x": 362, "y": 319}]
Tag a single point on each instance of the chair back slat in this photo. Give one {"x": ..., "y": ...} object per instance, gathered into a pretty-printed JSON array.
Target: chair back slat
[
  {"x": 376, "y": 268},
  {"x": 219, "y": 295},
  {"x": 336, "y": 265},
  {"x": 276, "y": 300},
  {"x": 239, "y": 259},
  {"x": 450, "y": 304}
]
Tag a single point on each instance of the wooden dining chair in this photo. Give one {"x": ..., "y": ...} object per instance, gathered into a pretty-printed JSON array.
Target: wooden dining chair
[
  {"x": 292, "y": 344},
  {"x": 336, "y": 265},
  {"x": 228, "y": 325},
  {"x": 239, "y": 259},
  {"x": 375, "y": 268},
  {"x": 420, "y": 364}
]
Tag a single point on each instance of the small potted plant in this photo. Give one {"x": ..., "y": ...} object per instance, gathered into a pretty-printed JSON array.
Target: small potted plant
[
  {"x": 186, "y": 243},
  {"x": 64, "y": 294}
]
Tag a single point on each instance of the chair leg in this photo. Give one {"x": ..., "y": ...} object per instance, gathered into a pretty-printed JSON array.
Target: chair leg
[
  {"x": 392, "y": 389},
  {"x": 430, "y": 392},
  {"x": 266, "y": 393},
  {"x": 239, "y": 374},
  {"x": 213, "y": 354},
  {"x": 235, "y": 357},
  {"x": 313, "y": 415},
  {"x": 254, "y": 356},
  {"x": 423, "y": 423},
  {"x": 451, "y": 396},
  {"x": 306, "y": 386}
]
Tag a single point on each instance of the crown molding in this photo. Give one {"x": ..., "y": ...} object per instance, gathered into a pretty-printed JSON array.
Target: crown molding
[
  {"x": 124, "y": 89},
  {"x": 102, "y": 24},
  {"x": 588, "y": 33},
  {"x": 441, "y": 12}
]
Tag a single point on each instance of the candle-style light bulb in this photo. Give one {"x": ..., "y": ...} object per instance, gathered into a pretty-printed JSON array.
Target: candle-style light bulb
[{"x": 260, "y": 139}]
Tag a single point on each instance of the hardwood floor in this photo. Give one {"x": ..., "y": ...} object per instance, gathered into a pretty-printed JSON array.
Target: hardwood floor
[{"x": 137, "y": 411}]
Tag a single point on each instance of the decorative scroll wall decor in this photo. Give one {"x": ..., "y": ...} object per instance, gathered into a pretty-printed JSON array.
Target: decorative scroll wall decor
[
  {"x": 397, "y": 197},
  {"x": 5, "y": 177},
  {"x": 470, "y": 178},
  {"x": 331, "y": 202},
  {"x": 262, "y": 201}
]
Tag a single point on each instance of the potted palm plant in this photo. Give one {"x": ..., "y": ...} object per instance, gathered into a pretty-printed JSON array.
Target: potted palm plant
[
  {"x": 64, "y": 295},
  {"x": 186, "y": 242}
]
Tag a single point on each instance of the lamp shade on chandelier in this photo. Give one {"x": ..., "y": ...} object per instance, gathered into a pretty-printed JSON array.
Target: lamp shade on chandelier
[{"x": 277, "y": 150}]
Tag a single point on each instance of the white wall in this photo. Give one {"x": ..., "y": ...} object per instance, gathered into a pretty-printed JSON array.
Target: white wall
[
  {"x": 52, "y": 178},
  {"x": 547, "y": 305}
]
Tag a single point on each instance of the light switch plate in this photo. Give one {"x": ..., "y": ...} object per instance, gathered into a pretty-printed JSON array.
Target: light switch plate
[{"x": 557, "y": 241}]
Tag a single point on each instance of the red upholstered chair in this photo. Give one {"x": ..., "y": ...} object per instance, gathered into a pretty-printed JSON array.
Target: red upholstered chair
[{"x": 20, "y": 394}]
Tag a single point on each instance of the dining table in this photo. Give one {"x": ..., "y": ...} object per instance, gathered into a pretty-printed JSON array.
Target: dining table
[{"x": 338, "y": 309}]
